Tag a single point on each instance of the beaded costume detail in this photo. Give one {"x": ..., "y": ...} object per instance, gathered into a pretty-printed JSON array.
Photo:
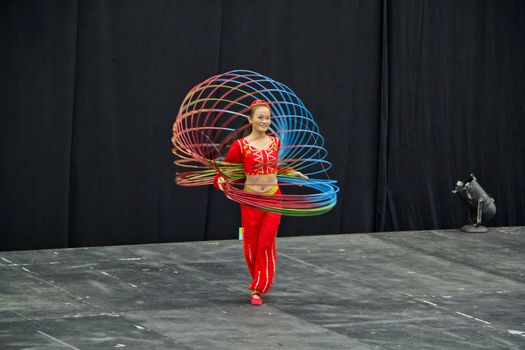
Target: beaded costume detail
[{"x": 260, "y": 161}]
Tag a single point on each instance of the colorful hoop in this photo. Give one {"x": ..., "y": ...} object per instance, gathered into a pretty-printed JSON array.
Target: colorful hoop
[{"x": 212, "y": 114}]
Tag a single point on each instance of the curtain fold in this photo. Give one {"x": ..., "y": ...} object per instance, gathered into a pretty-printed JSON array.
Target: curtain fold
[{"x": 382, "y": 167}]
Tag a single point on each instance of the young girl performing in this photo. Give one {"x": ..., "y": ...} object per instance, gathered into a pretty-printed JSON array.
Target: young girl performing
[
  {"x": 258, "y": 152},
  {"x": 206, "y": 122}
]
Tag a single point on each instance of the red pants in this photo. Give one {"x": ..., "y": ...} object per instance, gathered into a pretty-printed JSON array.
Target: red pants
[{"x": 260, "y": 232}]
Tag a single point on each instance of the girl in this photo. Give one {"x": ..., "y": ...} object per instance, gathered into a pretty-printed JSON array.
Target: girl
[{"x": 259, "y": 154}]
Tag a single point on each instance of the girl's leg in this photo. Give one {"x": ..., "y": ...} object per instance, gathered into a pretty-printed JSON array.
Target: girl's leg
[
  {"x": 251, "y": 221},
  {"x": 266, "y": 255}
]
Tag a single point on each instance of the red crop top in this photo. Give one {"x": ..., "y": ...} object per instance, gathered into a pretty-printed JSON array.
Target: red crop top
[{"x": 256, "y": 161}]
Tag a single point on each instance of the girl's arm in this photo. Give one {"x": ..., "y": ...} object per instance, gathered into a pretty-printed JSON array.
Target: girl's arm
[
  {"x": 234, "y": 156},
  {"x": 288, "y": 170}
]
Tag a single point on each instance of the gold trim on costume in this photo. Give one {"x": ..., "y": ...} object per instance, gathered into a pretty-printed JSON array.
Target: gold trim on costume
[{"x": 272, "y": 190}]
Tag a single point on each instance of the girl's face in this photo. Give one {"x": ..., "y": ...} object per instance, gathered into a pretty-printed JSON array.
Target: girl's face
[{"x": 260, "y": 119}]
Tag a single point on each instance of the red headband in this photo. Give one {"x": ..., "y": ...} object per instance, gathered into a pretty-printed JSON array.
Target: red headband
[{"x": 259, "y": 103}]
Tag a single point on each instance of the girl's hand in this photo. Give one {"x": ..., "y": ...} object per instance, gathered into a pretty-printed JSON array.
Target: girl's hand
[
  {"x": 220, "y": 183},
  {"x": 299, "y": 174}
]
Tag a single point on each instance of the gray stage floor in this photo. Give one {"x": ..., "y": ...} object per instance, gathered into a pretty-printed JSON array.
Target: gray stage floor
[{"x": 397, "y": 290}]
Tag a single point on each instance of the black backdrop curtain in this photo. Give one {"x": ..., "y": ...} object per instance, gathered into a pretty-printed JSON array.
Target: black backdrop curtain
[{"x": 410, "y": 95}]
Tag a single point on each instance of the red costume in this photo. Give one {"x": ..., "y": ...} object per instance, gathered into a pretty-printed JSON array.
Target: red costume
[{"x": 260, "y": 227}]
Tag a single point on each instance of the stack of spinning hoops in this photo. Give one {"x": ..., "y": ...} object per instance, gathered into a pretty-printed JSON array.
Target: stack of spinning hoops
[{"x": 211, "y": 117}]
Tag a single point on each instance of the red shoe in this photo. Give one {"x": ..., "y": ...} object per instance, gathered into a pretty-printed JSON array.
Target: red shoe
[{"x": 256, "y": 299}]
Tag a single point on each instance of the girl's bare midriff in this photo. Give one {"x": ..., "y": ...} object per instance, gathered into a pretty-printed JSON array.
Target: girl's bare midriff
[{"x": 260, "y": 183}]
